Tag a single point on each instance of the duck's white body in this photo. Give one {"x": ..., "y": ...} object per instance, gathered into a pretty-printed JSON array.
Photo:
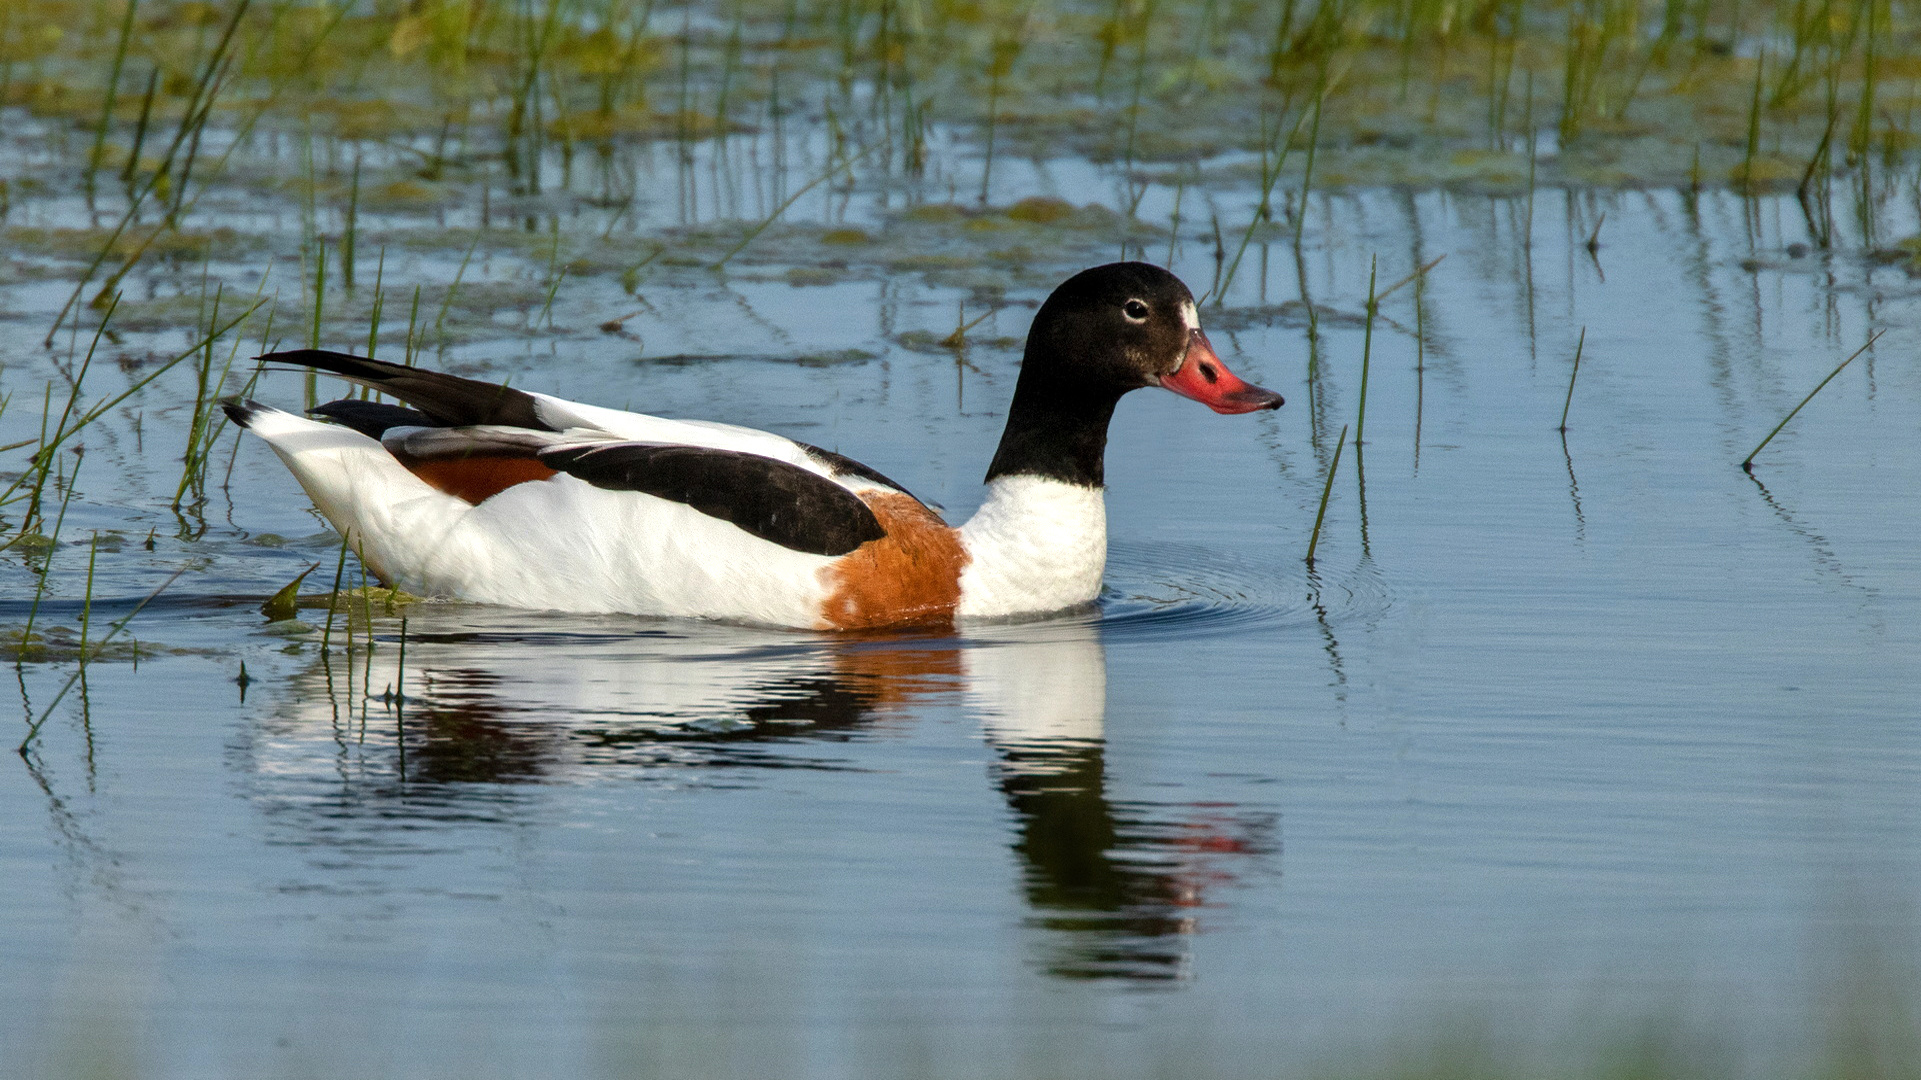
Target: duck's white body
[
  {"x": 1036, "y": 544},
  {"x": 496, "y": 495}
]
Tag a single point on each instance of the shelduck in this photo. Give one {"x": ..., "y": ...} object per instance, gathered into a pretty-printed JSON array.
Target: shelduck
[{"x": 497, "y": 495}]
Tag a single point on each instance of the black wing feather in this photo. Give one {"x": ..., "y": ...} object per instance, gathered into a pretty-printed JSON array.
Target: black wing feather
[
  {"x": 372, "y": 418},
  {"x": 449, "y": 400},
  {"x": 773, "y": 500}
]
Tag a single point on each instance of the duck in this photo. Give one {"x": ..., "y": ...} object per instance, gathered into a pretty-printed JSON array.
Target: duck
[{"x": 483, "y": 492}]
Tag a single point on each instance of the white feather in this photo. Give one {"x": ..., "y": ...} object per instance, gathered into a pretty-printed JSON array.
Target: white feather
[
  {"x": 568, "y": 545},
  {"x": 1035, "y": 545},
  {"x": 639, "y": 427},
  {"x": 385, "y": 512}
]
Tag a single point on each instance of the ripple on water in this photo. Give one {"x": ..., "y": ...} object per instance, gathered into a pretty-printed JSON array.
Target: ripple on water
[
  {"x": 1208, "y": 593},
  {"x": 1147, "y": 597}
]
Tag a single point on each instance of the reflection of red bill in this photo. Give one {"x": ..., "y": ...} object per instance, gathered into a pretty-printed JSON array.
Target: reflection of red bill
[{"x": 1204, "y": 378}]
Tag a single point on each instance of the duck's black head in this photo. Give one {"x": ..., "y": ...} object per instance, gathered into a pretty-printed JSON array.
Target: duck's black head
[{"x": 1102, "y": 333}]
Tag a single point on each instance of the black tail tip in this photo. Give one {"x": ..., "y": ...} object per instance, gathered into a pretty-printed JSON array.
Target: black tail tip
[{"x": 240, "y": 410}]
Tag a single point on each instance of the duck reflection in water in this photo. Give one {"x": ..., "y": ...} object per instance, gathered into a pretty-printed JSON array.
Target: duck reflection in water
[
  {"x": 1116, "y": 885},
  {"x": 1120, "y": 881}
]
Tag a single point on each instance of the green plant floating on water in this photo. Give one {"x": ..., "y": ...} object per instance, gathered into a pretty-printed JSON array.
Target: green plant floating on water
[
  {"x": 374, "y": 599},
  {"x": 65, "y": 645}
]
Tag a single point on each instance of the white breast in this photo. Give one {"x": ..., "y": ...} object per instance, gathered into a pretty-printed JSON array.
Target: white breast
[{"x": 1036, "y": 545}]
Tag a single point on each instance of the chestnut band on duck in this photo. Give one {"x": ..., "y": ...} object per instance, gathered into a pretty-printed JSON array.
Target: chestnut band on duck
[{"x": 484, "y": 492}]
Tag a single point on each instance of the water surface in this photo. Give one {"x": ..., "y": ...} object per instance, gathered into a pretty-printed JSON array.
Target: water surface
[{"x": 1562, "y": 738}]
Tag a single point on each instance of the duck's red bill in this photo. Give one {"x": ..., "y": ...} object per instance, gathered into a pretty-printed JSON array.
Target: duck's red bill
[{"x": 1204, "y": 378}]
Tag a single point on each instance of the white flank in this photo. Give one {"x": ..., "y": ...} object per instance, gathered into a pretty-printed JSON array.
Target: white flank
[
  {"x": 559, "y": 544},
  {"x": 1036, "y": 545}
]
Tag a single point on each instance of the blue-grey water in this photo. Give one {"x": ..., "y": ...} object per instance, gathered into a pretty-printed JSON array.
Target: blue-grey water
[{"x": 1559, "y": 741}]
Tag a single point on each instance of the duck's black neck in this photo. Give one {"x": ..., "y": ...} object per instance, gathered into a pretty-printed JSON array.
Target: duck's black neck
[{"x": 1054, "y": 430}]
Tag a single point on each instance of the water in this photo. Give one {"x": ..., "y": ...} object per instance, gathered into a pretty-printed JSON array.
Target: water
[{"x": 1560, "y": 740}]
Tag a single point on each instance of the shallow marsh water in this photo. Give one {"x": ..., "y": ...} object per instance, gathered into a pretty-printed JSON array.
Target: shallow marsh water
[{"x": 1584, "y": 747}]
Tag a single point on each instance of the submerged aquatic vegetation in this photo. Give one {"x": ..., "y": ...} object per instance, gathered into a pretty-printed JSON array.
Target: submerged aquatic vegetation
[
  {"x": 463, "y": 89},
  {"x": 85, "y": 654}
]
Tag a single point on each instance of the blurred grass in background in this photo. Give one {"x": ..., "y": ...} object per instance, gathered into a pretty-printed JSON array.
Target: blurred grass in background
[{"x": 1760, "y": 95}]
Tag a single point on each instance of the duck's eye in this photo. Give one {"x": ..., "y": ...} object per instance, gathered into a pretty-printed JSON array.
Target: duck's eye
[{"x": 1135, "y": 311}]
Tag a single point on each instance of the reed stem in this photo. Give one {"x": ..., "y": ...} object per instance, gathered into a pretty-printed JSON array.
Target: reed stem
[
  {"x": 132, "y": 168},
  {"x": 791, "y": 200},
  {"x": 319, "y": 292},
  {"x": 351, "y": 228},
  {"x": 1264, "y": 210},
  {"x": 1747, "y": 464},
  {"x": 380, "y": 303},
  {"x": 1572, "y": 375},
  {"x": 33, "y": 731},
  {"x": 1367, "y": 352},
  {"x": 1307, "y": 172},
  {"x": 46, "y": 570},
  {"x": 440, "y": 323},
  {"x": 400, "y": 669},
  {"x": 86, "y": 603},
  {"x": 113, "y": 90},
  {"x": 333, "y": 598},
  {"x": 1314, "y": 539}
]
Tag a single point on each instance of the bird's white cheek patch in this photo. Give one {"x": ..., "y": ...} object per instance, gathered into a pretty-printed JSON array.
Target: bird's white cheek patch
[{"x": 1190, "y": 316}]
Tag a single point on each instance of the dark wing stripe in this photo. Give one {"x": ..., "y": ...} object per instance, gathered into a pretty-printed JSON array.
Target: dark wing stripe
[
  {"x": 449, "y": 399},
  {"x": 842, "y": 465},
  {"x": 777, "y": 502},
  {"x": 372, "y": 418}
]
